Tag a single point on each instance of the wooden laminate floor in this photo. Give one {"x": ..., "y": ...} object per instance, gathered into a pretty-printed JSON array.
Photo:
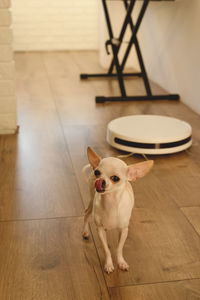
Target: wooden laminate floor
[{"x": 43, "y": 196}]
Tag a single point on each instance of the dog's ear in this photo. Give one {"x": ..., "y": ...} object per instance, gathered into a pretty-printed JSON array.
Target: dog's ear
[
  {"x": 94, "y": 159},
  {"x": 139, "y": 170}
]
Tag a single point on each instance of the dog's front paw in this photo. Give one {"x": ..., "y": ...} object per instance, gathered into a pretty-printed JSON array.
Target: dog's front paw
[
  {"x": 109, "y": 268},
  {"x": 85, "y": 235},
  {"x": 122, "y": 264}
]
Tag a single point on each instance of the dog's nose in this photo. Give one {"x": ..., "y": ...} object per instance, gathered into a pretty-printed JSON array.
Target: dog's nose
[{"x": 100, "y": 184}]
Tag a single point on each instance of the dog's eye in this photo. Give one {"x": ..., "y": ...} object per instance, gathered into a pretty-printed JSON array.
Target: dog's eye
[
  {"x": 97, "y": 173},
  {"x": 115, "y": 178}
]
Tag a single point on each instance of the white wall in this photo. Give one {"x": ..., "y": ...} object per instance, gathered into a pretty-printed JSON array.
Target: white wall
[
  {"x": 7, "y": 94},
  {"x": 170, "y": 42},
  {"x": 170, "y": 39},
  {"x": 55, "y": 24}
]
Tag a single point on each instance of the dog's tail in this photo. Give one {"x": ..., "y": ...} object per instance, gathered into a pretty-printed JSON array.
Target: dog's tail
[{"x": 84, "y": 172}]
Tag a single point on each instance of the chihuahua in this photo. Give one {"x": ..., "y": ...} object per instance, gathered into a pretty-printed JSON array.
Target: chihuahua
[{"x": 112, "y": 200}]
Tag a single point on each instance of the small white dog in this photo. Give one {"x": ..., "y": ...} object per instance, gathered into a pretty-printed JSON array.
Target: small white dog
[{"x": 112, "y": 200}]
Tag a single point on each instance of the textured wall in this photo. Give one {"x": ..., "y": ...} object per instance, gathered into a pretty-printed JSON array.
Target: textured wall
[
  {"x": 55, "y": 25},
  {"x": 7, "y": 97}
]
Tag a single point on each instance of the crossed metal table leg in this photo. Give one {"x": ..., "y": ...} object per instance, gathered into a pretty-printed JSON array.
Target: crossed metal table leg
[{"x": 115, "y": 46}]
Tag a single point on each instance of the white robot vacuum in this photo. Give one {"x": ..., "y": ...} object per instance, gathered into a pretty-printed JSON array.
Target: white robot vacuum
[{"x": 149, "y": 134}]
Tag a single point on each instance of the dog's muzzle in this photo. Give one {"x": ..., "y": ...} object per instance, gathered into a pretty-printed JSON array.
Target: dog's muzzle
[{"x": 100, "y": 185}]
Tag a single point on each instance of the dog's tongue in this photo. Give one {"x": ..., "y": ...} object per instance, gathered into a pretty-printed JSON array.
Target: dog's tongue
[{"x": 98, "y": 184}]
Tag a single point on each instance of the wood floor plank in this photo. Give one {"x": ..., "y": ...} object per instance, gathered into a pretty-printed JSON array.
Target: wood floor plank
[
  {"x": 36, "y": 178},
  {"x": 73, "y": 97},
  {"x": 180, "y": 176},
  {"x": 181, "y": 290},
  {"x": 37, "y": 110},
  {"x": 193, "y": 215},
  {"x": 47, "y": 259},
  {"x": 36, "y": 174},
  {"x": 29, "y": 65}
]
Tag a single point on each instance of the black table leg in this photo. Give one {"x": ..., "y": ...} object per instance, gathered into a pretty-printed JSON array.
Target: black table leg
[{"x": 115, "y": 45}]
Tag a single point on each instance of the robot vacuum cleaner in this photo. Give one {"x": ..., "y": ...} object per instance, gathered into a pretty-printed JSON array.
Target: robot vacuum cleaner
[{"x": 149, "y": 134}]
